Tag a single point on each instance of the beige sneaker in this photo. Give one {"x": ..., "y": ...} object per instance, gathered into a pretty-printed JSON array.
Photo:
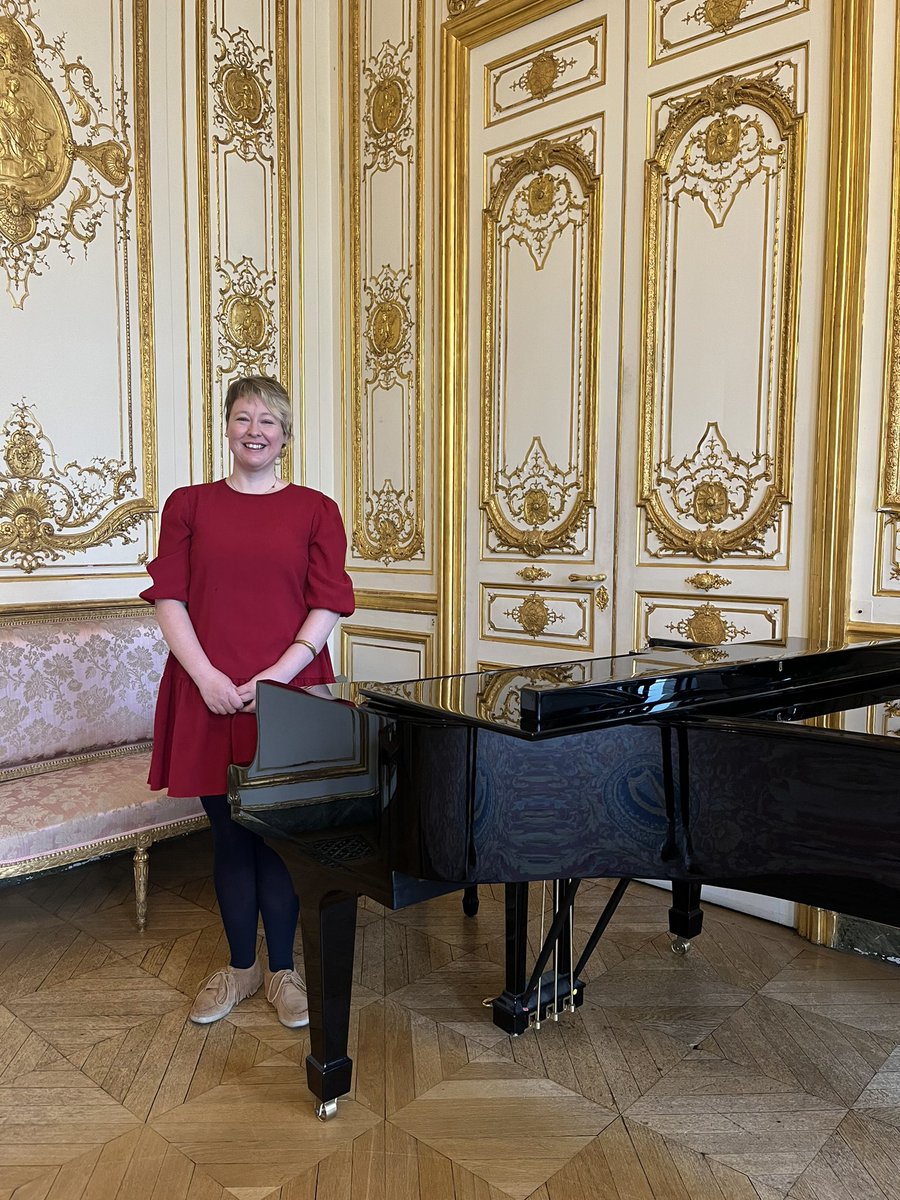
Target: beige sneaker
[
  {"x": 287, "y": 991},
  {"x": 223, "y": 990}
]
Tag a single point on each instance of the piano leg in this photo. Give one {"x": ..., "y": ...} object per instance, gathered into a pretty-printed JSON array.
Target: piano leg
[
  {"x": 509, "y": 1013},
  {"x": 685, "y": 915},
  {"x": 330, "y": 921},
  {"x": 470, "y": 900}
]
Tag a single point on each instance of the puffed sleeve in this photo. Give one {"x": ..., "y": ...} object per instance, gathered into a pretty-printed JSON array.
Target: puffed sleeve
[
  {"x": 327, "y": 583},
  {"x": 171, "y": 570}
]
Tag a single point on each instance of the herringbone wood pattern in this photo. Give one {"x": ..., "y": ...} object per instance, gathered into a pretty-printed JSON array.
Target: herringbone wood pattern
[{"x": 756, "y": 1068}]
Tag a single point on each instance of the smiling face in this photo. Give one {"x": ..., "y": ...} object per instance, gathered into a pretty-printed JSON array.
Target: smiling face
[{"x": 255, "y": 434}]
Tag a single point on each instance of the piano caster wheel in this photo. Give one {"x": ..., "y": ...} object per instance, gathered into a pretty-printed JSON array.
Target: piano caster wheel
[
  {"x": 680, "y": 946},
  {"x": 326, "y": 1110}
]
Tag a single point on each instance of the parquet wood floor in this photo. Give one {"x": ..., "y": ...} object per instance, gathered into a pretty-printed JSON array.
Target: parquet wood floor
[{"x": 756, "y": 1068}]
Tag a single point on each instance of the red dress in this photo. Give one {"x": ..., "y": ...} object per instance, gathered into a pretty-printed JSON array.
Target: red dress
[{"x": 249, "y": 568}]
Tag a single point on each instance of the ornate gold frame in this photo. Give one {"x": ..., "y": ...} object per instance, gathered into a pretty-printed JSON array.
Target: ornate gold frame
[
  {"x": 459, "y": 37},
  {"x": 889, "y": 499},
  {"x": 538, "y": 158},
  {"x": 392, "y": 545},
  {"x": 711, "y": 544}
]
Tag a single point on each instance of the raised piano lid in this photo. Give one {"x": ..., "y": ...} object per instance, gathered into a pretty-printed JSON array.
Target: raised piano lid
[{"x": 784, "y": 681}]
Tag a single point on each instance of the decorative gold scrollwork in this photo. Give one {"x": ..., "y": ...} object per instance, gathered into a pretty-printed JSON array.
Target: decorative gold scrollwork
[
  {"x": 534, "y": 615},
  {"x": 389, "y": 108},
  {"x": 38, "y": 151},
  {"x": 538, "y": 505},
  {"x": 455, "y": 7},
  {"x": 245, "y": 320},
  {"x": 533, "y": 574},
  {"x": 720, "y": 15},
  {"x": 716, "y": 502},
  {"x": 601, "y": 598},
  {"x": 389, "y": 327},
  {"x": 42, "y": 505},
  {"x": 543, "y": 72},
  {"x": 708, "y": 626},
  {"x": 706, "y": 581},
  {"x": 241, "y": 85}
]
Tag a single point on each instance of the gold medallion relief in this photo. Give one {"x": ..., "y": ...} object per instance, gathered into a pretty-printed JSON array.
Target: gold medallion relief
[
  {"x": 533, "y": 615},
  {"x": 707, "y": 626},
  {"x": 710, "y": 502},
  {"x": 386, "y": 105},
  {"x": 536, "y": 506},
  {"x": 242, "y": 95},
  {"x": 247, "y": 323},
  {"x": 386, "y": 327},
  {"x": 723, "y": 139},
  {"x": 541, "y": 192},
  {"x": 722, "y": 14},
  {"x": 542, "y": 75},
  {"x": 38, "y": 152}
]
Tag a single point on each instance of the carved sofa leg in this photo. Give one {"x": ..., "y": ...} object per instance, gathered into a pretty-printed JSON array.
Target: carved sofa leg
[{"x": 141, "y": 876}]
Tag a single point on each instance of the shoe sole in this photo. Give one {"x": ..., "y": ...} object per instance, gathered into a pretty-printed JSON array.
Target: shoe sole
[{"x": 295, "y": 1024}]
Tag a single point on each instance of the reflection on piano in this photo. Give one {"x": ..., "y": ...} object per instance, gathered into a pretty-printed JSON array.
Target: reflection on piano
[{"x": 677, "y": 763}]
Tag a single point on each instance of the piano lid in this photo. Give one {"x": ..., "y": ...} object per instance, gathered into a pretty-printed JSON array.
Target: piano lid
[{"x": 662, "y": 681}]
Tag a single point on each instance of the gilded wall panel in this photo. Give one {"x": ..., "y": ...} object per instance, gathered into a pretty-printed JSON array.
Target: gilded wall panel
[
  {"x": 551, "y": 617},
  {"x": 724, "y": 185},
  {"x": 552, "y": 69},
  {"x": 711, "y": 622},
  {"x": 386, "y": 173},
  {"x": 888, "y": 557},
  {"x": 540, "y": 282},
  {"x": 683, "y": 25},
  {"x": 77, "y": 460},
  {"x": 245, "y": 204},
  {"x": 370, "y": 652}
]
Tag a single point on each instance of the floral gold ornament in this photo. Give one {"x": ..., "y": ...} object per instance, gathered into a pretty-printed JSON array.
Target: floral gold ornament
[
  {"x": 712, "y": 501},
  {"x": 720, "y": 15},
  {"x": 533, "y": 574},
  {"x": 390, "y": 525},
  {"x": 245, "y": 320},
  {"x": 389, "y": 107},
  {"x": 707, "y": 581},
  {"x": 542, "y": 74},
  {"x": 707, "y": 626},
  {"x": 47, "y": 511},
  {"x": 455, "y": 7},
  {"x": 534, "y": 615},
  {"x": 601, "y": 598},
  {"x": 389, "y": 327},
  {"x": 241, "y": 86},
  {"x": 541, "y": 192},
  {"x": 39, "y": 155}
]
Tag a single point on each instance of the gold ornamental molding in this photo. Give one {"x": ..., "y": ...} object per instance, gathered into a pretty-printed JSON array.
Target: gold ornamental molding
[
  {"x": 387, "y": 342},
  {"x": 842, "y": 324},
  {"x": 243, "y": 112},
  {"x": 889, "y": 500},
  {"x": 714, "y": 501},
  {"x": 459, "y": 37},
  {"x": 55, "y": 188},
  {"x": 48, "y": 511},
  {"x": 537, "y": 506},
  {"x": 682, "y": 26},
  {"x": 708, "y": 626}
]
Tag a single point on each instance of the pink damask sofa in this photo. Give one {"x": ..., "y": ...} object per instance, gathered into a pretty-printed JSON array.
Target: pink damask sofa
[{"x": 77, "y": 691}]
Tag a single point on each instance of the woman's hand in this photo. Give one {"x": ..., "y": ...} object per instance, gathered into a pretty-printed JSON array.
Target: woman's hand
[
  {"x": 247, "y": 691},
  {"x": 219, "y": 693}
]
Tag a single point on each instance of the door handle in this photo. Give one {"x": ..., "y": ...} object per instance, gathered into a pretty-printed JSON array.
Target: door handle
[{"x": 598, "y": 578}]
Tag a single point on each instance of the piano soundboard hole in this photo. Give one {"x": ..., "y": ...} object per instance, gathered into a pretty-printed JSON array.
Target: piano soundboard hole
[
  {"x": 326, "y": 1110},
  {"x": 680, "y": 946}
]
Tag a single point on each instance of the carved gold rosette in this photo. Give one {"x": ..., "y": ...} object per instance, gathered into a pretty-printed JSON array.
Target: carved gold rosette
[
  {"x": 537, "y": 505},
  {"x": 47, "y": 511},
  {"x": 724, "y": 494},
  {"x": 53, "y": 187},
  {"x": 708, "y": 626}
]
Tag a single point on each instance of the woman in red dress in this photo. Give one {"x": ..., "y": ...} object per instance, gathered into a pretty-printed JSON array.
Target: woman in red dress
[{"x": 248, "y": 584}]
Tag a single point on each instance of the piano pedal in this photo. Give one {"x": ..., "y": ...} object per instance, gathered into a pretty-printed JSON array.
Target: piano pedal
[
  {"x": 680, "y": 946},
  {"x": 326, "y": 1110}
]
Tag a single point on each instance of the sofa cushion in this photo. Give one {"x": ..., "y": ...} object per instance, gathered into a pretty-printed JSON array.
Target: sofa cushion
[
  {"x": 71, "y": 809},
  {"x": 70, "y": 686}
]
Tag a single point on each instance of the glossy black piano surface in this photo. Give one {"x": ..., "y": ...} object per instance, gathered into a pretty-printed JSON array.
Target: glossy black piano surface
[{"x": 675, "y": 763}]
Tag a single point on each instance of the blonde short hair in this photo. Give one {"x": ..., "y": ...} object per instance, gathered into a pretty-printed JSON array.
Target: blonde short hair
[{"x": 270, "y": 391}]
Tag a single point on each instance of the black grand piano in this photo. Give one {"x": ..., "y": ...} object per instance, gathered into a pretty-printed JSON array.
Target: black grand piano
[{"x": 682, "y": 763}]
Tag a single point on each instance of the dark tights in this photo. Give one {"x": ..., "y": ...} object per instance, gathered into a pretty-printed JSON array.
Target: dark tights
[{"x": 251, "y": 880}]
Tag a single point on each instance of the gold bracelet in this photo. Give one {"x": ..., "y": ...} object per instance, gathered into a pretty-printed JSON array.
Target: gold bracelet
[{"x": 310, "y": 647}]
